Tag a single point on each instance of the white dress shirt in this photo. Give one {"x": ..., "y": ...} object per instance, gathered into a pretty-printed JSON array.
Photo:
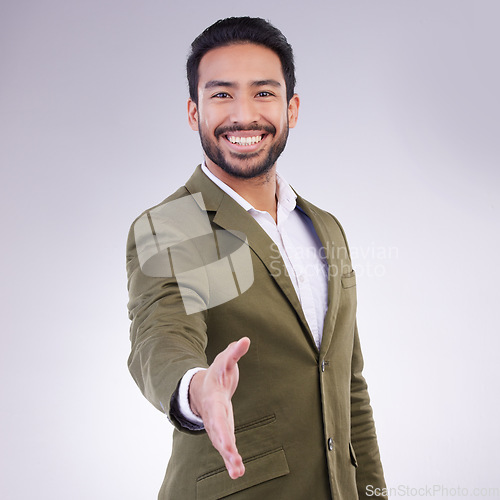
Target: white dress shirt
[{"x": 301, "y": 250}]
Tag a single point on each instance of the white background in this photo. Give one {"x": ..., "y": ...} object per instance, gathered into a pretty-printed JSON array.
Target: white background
[{"x": 398, "y": 137}]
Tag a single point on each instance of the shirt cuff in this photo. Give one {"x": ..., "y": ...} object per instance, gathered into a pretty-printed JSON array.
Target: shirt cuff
[{"x": 183, "y": 399}]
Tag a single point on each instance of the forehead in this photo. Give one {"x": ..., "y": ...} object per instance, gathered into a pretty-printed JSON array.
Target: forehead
[{"x": 241, "y": 63}]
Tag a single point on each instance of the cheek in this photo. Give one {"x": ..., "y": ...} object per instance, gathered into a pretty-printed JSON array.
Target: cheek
[
  {"x": 204, "y": 124},
  {"x": 281, "y": 116},
  {"x": 283, "y": 122},
  {"x": 209, "y": 119}
]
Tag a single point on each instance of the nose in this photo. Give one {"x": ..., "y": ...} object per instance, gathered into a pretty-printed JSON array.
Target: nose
[{"x": 244, "y": 111}]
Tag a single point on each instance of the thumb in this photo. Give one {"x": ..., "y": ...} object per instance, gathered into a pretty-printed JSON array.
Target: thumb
[
  {"x": 229, "y": 358},
  {"x": 237, "y": 350}
]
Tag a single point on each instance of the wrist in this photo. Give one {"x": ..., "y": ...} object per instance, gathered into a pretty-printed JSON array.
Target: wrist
[{"x": 194, "y": 390}]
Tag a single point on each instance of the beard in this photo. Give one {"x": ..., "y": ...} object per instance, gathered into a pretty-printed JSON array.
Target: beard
[{"x": 257, "y": 163}]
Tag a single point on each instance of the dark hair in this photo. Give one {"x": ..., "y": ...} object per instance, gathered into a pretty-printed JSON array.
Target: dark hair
[{"x": 234, "y": 30}]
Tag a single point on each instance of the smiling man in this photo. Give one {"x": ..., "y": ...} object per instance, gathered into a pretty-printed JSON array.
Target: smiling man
[
  {"x": 242, "y": 112},
  {"x": 243, "y": 318}
]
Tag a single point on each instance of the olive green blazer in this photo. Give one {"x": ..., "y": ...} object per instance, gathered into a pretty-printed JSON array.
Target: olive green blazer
[{"x": 303, "y": 420}]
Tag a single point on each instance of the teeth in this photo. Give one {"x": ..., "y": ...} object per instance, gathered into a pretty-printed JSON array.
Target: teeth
[{"x": 244, "y": 141}]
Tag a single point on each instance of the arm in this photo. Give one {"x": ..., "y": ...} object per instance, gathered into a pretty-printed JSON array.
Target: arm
[{"x": 167, "y": 343}]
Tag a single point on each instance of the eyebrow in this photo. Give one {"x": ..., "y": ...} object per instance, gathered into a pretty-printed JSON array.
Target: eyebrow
[
  {"x": 263, "y": 83},
  {"x": 218, "y": 83},
  {"x": 259, "y": 83}
]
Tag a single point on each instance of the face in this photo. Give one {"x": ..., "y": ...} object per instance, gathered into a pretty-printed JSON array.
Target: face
[{"x": 242, "y": 114}]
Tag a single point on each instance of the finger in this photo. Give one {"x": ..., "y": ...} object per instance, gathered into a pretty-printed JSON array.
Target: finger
[
  {"x": 232, "y": 461},
  {"x": 235, "y": 467},
  {"x": 221, "y": 434}
]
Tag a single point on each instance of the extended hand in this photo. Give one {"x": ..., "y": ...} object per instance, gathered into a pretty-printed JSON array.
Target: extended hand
[{"x": 210, "y": 394}]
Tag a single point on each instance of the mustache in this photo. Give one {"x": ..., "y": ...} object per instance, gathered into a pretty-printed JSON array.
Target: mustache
[{"x": 270, "y": 129}]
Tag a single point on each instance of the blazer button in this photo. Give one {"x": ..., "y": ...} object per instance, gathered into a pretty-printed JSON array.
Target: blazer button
[{"x": 330, "y": 444}]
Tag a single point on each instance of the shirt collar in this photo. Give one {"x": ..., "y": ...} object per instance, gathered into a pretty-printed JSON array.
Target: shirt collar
[{"x": 287, "y": 199}]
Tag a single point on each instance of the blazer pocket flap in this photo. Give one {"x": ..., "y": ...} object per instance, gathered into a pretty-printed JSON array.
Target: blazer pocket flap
[
  {"x": 348, "y": 280},
  {"x": 258, "y": 470}
]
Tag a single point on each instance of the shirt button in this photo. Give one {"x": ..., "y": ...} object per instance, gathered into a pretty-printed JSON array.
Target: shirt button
[
  {"x": 301, "y": 278},
  {"x": 330, "y": 444}
]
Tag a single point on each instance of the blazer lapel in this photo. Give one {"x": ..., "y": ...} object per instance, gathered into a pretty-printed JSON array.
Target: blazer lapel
[
  {"x": 334, "y": 271},
  {"x": 230, "y": 216}
]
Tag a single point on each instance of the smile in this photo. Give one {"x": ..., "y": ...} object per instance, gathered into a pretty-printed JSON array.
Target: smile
[{"x": 244, "y": 141}]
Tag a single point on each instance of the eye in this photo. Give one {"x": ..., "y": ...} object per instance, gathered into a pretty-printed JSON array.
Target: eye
[
  {"x": 264, "y": 93},
  {"x": 221, "y": 95}
]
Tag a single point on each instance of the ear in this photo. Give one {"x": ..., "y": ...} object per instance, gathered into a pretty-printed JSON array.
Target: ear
[
  {"x": 293, "y": 110},
  {"x": 192, "y": 109}
]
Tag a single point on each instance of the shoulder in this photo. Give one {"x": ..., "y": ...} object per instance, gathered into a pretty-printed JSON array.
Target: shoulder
[
  {"x": 180, "y": 193},
  {"x": 142, "y": 225}
]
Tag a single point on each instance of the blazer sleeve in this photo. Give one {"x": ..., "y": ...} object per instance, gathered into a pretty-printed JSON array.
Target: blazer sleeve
[
  {"x": 363, "y": 436},
  {"x": 165, "y": 341}
]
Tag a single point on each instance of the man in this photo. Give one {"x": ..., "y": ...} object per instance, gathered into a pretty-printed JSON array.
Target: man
[{"x": 251, "y": 349}]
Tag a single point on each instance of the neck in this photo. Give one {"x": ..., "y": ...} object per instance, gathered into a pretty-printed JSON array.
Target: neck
[{"x": 259, "y": 191}]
